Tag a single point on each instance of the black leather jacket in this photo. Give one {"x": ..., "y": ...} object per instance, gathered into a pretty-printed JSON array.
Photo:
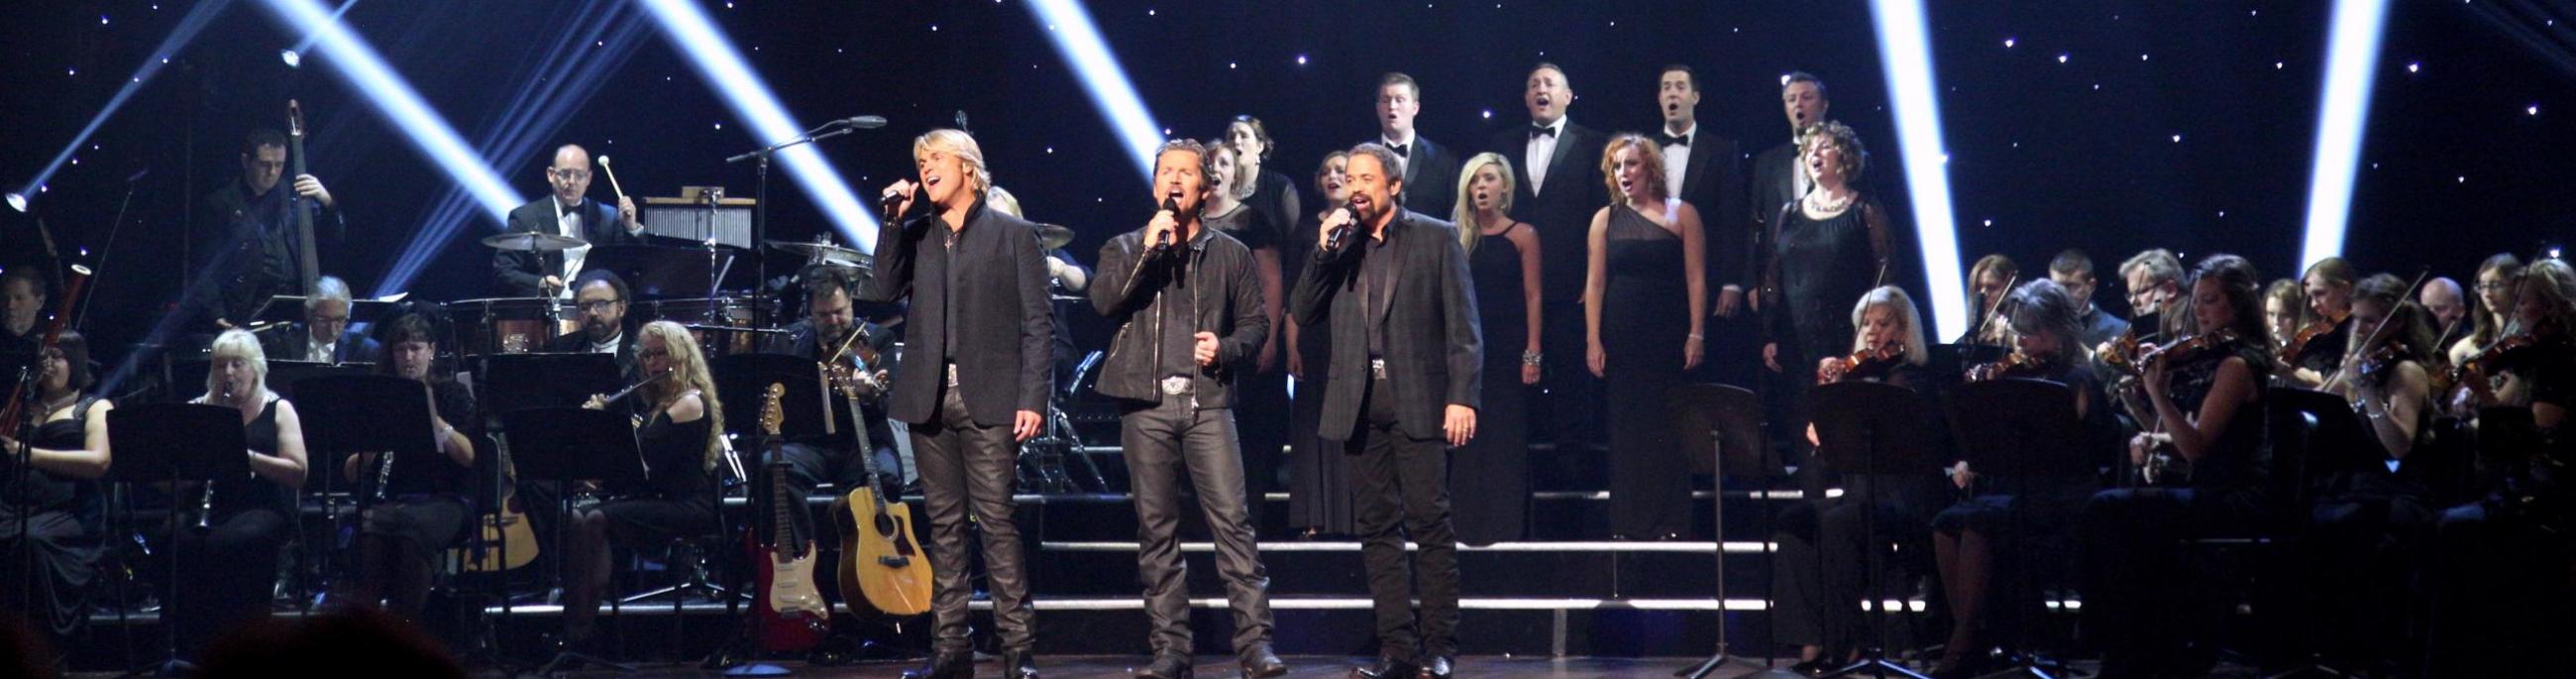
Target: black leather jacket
[{"x": 1226, "y": 301}]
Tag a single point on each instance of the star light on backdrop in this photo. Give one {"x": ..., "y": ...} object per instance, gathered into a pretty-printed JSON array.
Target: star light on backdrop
[
  {"x": 748, "y": 95},
  {"x": 1905, "y": 46},
  {"x": 604, "y": 34},
  {"x": 1075, "y": 37},
  {"x": 2352, "y": 56},
  {"x": 189, "y": 25}
]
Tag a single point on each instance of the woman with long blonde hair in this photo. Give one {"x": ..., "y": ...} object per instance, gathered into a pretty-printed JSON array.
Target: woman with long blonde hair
[
  {"x": 681, "y": 436},
  {"x": 1489, "y": 499}
]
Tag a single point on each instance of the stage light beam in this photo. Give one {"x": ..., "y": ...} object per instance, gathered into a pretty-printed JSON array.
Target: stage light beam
[
  {"x": 366, "y": 72},
  {"x": 1904, "y": 45},
  {"x": 180, "y": 34},
  {"x": 1078, "y": 39},
  {"x": 2343, "y": 111},
  {"x": 748, "y": 95}
]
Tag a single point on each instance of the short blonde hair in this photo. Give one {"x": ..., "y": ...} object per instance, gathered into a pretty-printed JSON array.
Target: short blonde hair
[
  {"x": 1465, "y": 213},
  {"x": 1892, "y": 297},
  {"x": 1649, "y": 154},
  {"x": 959, "y": 144},
  {"x": 237, "y": 343}
]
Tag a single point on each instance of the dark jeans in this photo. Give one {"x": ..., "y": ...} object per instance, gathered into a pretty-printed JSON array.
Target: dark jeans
[
  {"x": 1399, "y": 477},
  {"x": 225, "y": 575},
  {"x": 1161, "y": 441},
  {"x": 968, "y": 467}
]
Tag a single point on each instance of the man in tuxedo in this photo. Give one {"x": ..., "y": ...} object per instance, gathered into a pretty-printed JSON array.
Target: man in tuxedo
[
  {"x": 246, "y": 241},
  {"x": 565, "y": 213},
  {"x": 1703, "y": 170},
  {"x": 1403, "y": 318},
  {"x": 324, "y": 335},
  {"x": 1778, "y": 177},
  {"x": 602, "y": 297},
  {"x": 971, "y": 382},
  {"x": 1559, "y": 165},
  {"x": 1430, "y": 170}
]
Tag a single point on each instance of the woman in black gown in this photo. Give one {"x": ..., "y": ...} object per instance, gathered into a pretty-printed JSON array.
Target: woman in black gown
[
  {"x": 228, "y": 568},
  {"x": 1489, "y": 477},
  {"x": 1825, "y": 250},
  {"x": 2210, "y": 405},
  {"x": 679, "y": 436},
  {"x": 1319, "y": 483},
  {"x": 67, "y": 455},
  {"x": 1643, "y": 244},
  {"x": 421, "y": 514},
  {"x": 1268, "y": 201}
]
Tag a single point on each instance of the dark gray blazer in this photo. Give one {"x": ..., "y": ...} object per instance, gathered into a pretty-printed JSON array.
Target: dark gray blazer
[
  {"x": 1434, "y": 350},
  {"x": 1003, "y": 323}
]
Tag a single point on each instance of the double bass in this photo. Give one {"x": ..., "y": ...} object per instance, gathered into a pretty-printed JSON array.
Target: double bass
[{"x": 307, "y": 264}]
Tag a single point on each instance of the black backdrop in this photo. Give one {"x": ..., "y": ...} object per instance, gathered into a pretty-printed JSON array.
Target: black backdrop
[{"x": 2074, "y": 153}]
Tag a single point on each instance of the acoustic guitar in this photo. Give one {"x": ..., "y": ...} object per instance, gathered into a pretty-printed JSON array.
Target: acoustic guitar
[
  {"x": 792, "y": 614},
  {"x": 881, "y": 558}
]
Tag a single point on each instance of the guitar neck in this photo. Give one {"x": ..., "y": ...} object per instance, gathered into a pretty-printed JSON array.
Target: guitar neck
[{"x": 867, "y": 453}]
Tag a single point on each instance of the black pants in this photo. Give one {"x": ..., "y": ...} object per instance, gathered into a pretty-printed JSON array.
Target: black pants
[
  {"x": 2499, "y": 592},
  {"x": 967, "y": 467},
  {"x": 226, "y": 574},
  {"x": 398, "y": 549},
  {"x": 1825, "y": 555},
  {"x": 2360, "y": 552},
  {"x": 1400, "y": 477},
  {"x": 1163, "y": 441},
  {"x": 2137, "y": 605}
]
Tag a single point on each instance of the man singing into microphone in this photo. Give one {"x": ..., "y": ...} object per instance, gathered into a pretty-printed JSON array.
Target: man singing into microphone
[
  {"x": 1190, "y": 318},
  {"x": 971, "y": 382},
  {"x": 1403, "y": 315}
]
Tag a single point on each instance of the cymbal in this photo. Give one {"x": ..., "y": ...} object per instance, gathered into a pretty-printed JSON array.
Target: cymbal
[
  {"x": 1052, "y": 236},
  {"x": 531, "y": 241},
  {"x": 825, "y": 251}
]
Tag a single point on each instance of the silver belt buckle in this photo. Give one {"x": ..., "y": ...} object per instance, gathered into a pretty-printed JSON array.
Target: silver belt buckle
[
  {"x": 1176, "y": 385},
  {"x": 952, "y": 374},
  {"x": 1377, "y": 368}
]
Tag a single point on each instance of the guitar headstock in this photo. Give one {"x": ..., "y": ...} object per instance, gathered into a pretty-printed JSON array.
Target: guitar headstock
[
  {"x": 771, "y": 413},
  {"x": 294, "y": 118}
]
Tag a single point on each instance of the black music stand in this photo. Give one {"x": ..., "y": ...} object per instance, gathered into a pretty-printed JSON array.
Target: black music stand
[
  {"x": 657, "y": 271},
  {"x": 2021, "y": 430},
  {"x": 564, "y": 445},
  {"x": 288, "y": 310},
  {"x": 1872, "y": 429},
  {"x": 807, "y": 405},
  {"x": 351, "y": 414},
  {"x": 1731, "y": 418},
  {"x": 170, "y": 443},
  {"x": 514, "y": 382}
]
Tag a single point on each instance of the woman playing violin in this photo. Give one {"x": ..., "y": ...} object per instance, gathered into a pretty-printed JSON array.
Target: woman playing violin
[
  {"x": 2206, "y": 392},
  {"x": 2312, "y": 355},
  {"x": 2365, "y": 518}
]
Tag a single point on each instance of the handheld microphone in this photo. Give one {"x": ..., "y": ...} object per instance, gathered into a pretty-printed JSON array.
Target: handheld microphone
[
  {"x": 888, "y": 204},
  {"x": 1172, "y": 205},
  {"x": 1333, "y": 241}
]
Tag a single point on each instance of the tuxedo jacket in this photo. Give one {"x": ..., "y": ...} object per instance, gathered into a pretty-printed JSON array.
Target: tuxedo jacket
[
  {"x": 1433, "y": 348},
  {"x": 516, "y": 273},
  {"x": 1713, "y": 183},
  {"x": 1430, "y": 177},
  {"x": 1561, "y": 210},
  {"x": 1774, "y": 185},
  {"x": 352, "y": 347}
]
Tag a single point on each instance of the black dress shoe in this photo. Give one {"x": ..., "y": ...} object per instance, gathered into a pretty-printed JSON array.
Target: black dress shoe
[
  {"x": 1436, "y": 667},
  {"x": 959, "y": 665},
  {"x": 1167, "y": 666},
  {"x": 1387, "y": 668},
  {"x": 1262, "y": 663},
  {"x": 1020, "y": 664}
]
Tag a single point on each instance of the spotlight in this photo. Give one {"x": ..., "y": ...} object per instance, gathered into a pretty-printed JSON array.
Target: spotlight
[
  {"x": 187, "y": 28},
  {"x": 1079, "y": 41},
  {"x": 2344, "y": 110},
  {"x": 1905, "y": 42},
  {"x": 292, "y": 58},
  {"x": 18, "y": 201},
  {"x": 724, "y": 69}
]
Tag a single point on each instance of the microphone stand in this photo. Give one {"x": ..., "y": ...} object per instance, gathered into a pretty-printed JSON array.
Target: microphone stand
[{"x": 760, "y": 190}]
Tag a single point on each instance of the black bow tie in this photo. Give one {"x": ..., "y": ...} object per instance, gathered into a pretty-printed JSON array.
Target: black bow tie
[
  {"x": 1537, "y": 130},
  {"x": 1670, "y": 140},
  {"x": 1401, "y": 150},
  {"x": 568, "y": 210}
]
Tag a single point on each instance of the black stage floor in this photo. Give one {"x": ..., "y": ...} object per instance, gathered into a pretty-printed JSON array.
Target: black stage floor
[{"x": 1302, "y": 667}]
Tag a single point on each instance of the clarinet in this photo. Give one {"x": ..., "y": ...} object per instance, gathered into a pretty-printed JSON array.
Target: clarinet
[
  {"x": 384, "y": 474},
  {"x": 206, "y": 506}
]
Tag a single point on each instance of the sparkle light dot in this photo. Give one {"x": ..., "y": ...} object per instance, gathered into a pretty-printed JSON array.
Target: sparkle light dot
[
  {"x": 2276, "y": 65},
  {"x": 1229, "y": 65},
  {"x": 2177, "y": 139},
  {"x": 1050, "y": 149},
  {"x": 2061, "y": 57},
  {"x": 2464, "y": 179},
  {"x": 71, "y": 71},
  {"x": 1301, "y": 60},
  {"x": 2533, "y": 109},
  {"x": 719, "y": 126},
  {"x": 102, "y": 20},
  {"x": 2008, "y": 42},
  {"x": 2222, "y": 213},
  {"x": 1489, "y": 113},
  {"x": 2142, "y": 57},
  {"x": 1149, "y": 12},
  {"x": 2097, "y": 86},
  {"x": 1990, "y": 222},
  {"x": 2413, "y": 66}
]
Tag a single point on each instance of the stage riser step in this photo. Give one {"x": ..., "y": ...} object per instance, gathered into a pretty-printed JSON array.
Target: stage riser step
[{"x": 1482, "y": 573}]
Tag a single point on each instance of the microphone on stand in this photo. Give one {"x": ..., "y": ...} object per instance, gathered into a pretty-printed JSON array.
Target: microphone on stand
[{"x": 862, "y": 122}]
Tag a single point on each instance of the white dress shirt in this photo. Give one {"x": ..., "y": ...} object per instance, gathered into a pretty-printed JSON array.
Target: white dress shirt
[
  {"x": 1677, "y": 160},
  {"x": 1542, "y": 148},
  {"x": 569, "y": 225}
]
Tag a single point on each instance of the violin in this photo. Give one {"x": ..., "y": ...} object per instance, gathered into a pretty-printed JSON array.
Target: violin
[
  {"x": 2298, "y": 343},
  {"x": 1865, "y": 364},
  {"x": 2488, "y": 360},
  {"x": 2192, "y": 349},
  {"x": 2015, "y": 364}
]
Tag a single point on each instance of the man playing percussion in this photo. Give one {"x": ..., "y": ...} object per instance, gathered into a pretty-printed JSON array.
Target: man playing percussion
[{"x": 566, "y": 213}]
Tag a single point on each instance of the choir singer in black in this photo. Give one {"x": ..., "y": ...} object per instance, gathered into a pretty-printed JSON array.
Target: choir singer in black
[
  {"x": 971, "y": 381},
  {"x": 1403, "y": 317},
  {"x": 1190, "y": 318}
]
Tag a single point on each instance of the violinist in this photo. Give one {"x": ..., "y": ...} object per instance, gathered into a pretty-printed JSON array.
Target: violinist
[
  {"x": 2497, "y": 557},
  {"x": 2364, "y": 520},
  {"x": 2499, "y": 279},
  {"x": 1823, "y": 536},
  {"x": 1991, "y": 279},
  {"x": 62, "y": 463},
  {"x": 2207, "y": 394},
  {"x": 1968, "y": 537},
  {"x": 411, "y": 520},
  {"x": 2155, "y": 287},
  {"x": 2312, "y": 355},
  {"x": 2285, "y": 309},
  {"x": 681, "y": 436}
]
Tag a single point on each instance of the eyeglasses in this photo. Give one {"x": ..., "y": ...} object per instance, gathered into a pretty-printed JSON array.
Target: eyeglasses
[
  {"x": 598, "y": 305},
  {"x": 2495, "y": 286},
  {"x": 330, "y": 320},
  {"x": 569, "y": 175}
]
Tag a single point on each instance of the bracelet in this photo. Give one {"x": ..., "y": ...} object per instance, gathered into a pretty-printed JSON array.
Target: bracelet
[
  {"x": 1697, "y": 336},
  {"x": 1531, "y": 357}
]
